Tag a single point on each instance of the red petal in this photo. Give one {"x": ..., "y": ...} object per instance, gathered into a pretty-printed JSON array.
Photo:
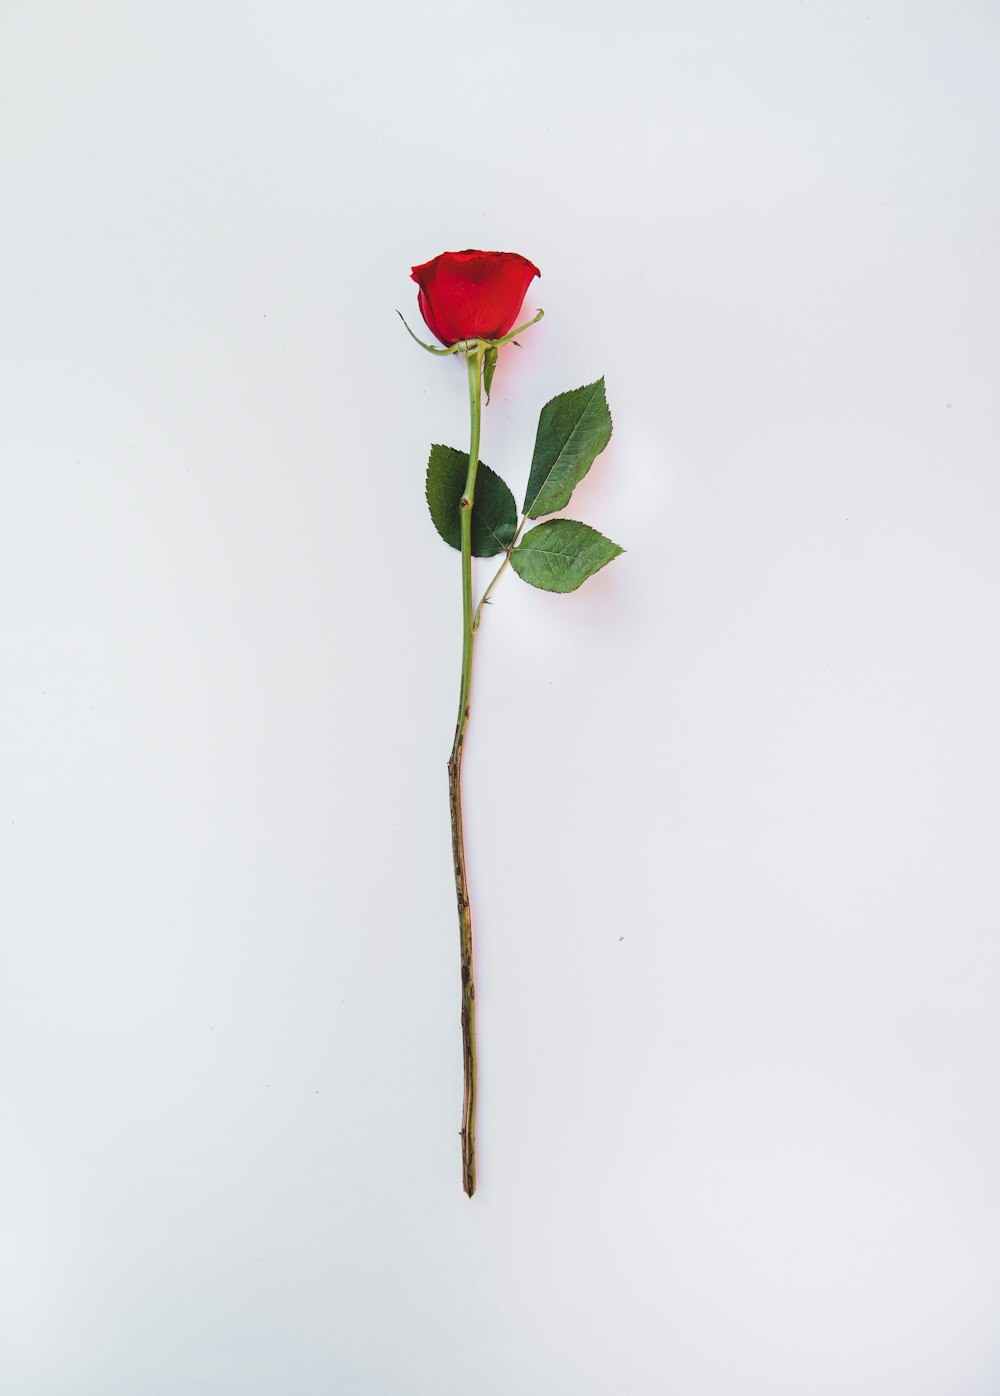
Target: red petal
[{"x": 472, "y": 294}]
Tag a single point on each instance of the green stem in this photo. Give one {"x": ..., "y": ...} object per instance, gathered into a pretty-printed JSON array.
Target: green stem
[
  {"x": 475, "y": 365},
  {"x": 497, "y": 575}
]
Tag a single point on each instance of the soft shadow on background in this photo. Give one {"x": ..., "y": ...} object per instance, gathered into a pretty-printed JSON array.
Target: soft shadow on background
[{"x": 733, "y": 807}]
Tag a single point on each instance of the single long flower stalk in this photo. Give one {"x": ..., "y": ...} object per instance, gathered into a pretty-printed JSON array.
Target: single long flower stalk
[
  {"x": 469, "y": 301},
  {"x": 474, "y": 358},
  {"x": 478, "y": 353}
]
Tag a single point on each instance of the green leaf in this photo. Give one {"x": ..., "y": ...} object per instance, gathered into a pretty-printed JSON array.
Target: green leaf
[
  {"x": 573, "y": 430},
  {"x": 489, "y": 368},
  {"x": 494, "y": 512},
  {"x": 561, "y": 554}
]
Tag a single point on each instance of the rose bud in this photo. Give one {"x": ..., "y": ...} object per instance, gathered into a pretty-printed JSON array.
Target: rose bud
[{"x": 472, "y": 295}]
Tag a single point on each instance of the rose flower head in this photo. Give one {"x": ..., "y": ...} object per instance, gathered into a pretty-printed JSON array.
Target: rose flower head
[{"x": 472, "y": 295}]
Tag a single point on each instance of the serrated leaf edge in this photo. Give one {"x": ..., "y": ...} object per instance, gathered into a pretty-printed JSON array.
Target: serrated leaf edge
[
  {"x": 598, "y": 383},
  {"x": 546, "y": 523},
  {"x": 502, "y": 546}
]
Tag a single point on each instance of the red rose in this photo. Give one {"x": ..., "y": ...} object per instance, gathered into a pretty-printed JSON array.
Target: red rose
[{"x": 472, "y": 295}]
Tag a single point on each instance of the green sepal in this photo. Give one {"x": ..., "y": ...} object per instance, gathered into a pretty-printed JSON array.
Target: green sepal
[
  {"x": 489, "y": 368},
  {"x": 573, "y": 429},
  {"x": 494, "y": 511},
  {"x": 560, "y": 554}
]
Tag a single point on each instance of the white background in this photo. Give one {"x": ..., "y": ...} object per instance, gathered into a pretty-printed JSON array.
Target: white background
[{"x": 733, "y": 807}]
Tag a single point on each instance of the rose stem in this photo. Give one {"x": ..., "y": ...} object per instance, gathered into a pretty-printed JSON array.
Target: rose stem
[
  {"x": 475, "y": 362},
  {"x": 484, "y": 599}
]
